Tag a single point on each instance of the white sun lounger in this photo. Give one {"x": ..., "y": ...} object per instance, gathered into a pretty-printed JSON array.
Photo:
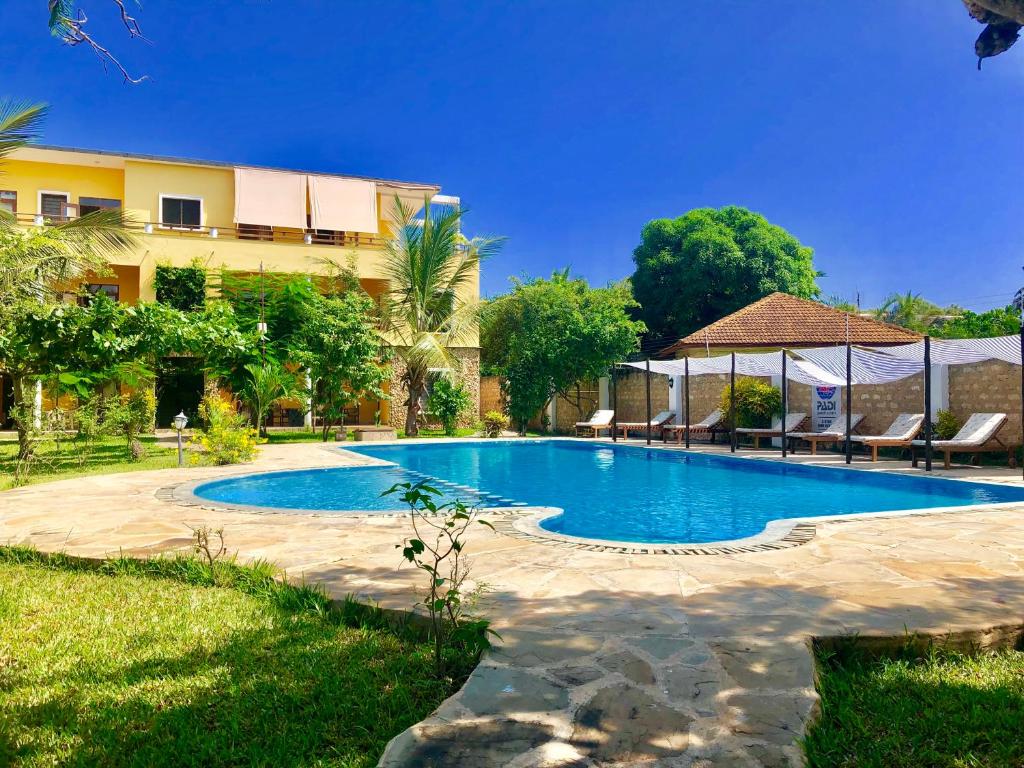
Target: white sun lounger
[
  {"x": 835, "y": 432},
  {"x": 657, "y": 423},
  {"x": 793, "y": 422},
  {"x": 900, "y": 433},
  {"x": 600, "y": 420},
  {"x": 708, "y": 425},
  {"x": 977, "y": 435}
]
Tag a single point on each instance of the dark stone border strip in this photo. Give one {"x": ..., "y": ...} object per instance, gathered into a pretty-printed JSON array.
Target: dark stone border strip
[{"x": 799, "y": 534}]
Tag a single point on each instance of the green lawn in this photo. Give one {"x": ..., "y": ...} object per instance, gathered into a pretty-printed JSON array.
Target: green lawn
[
  {"x": 73, "y": 458},
  {"x": 136, "y": 666},
  {"x": 425, "y": 432},
  {"x": 946, "y": 709}
]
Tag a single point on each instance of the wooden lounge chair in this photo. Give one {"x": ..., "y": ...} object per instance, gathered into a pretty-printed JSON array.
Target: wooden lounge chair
[
  {"x": 793, "y": 422},
  {"x": 600, "y": 420},
  {"x": 835, "y": 432},
  {"x": 900, "y": 433},
  {"x": 976, "y": 436},
  {"x": 657, "y": 423},
  {"x": 709, "y": 425}
]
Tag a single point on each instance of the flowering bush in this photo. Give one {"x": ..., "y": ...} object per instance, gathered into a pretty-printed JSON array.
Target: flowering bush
[{"x": 225, "y": 436}]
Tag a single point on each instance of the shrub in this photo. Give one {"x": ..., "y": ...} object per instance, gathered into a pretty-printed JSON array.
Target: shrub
[
  {"x": 448, "y": 401},
  {"x": 495, "y": 422},
  {"x": 756, "y": 402},
  {"x": 225, "y": 436},
  {"x": 946, "y": 425},
  {"x": 130, "y": 414},
  {"x": 183, "y": 288}
]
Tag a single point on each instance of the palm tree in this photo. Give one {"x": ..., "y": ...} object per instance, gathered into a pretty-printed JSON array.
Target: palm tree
[
  {"x": 38, "y": 263},
  {"x": 909, "y": 310},
  {"x": 430, "y": 265},
  {"x": 265, "y": 385}
]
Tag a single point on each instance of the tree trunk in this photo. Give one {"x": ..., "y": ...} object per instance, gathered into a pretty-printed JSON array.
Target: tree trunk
[
  {"x": 412, "y": 424},
  {"x": 20, "y": 412}
]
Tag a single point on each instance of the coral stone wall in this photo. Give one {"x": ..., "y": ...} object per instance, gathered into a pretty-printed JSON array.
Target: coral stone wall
[
  {"x": 880, "y": 403},
  {"x": 468, "y": 374},
  {"x": 630, "y": 402},
  {"x": 491, "y": 396},
  {"x": 579, "y": 407},
  {"x": 988, "y": 387}
]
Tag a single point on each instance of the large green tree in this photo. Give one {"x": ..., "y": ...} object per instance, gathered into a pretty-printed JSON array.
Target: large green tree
[
  {"x": 545, "y": 336},
  {"x": 427, "y": 311},
  {"x": 339, "y": 344},
  {"x": 1002, "y": 321},
  {"x": 695, "y": 269}
]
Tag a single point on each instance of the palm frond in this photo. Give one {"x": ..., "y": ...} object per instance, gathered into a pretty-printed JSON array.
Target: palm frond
[{"x": 20, "y": 122}]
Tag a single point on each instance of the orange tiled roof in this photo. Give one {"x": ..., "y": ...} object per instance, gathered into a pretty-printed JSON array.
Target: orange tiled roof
[{"x": 781, "y": 320}]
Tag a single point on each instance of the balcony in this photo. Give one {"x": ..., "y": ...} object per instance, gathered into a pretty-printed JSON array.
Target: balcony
[{"x": 255, "y": 232}]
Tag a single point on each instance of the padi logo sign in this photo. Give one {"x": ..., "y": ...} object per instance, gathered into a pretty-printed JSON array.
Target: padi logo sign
[{"x": 826, "y": 393}]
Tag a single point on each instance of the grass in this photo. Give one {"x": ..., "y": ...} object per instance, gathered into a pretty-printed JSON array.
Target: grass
[
  {"x": 73, "y": 457},
  {"x": 297, "y": 436},
  {"x": 145, "y": 663},
  {"x": 945, "y": 709}
]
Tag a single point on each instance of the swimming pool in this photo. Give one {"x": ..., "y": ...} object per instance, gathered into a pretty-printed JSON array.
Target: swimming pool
[{"x": 608, "y": 492}]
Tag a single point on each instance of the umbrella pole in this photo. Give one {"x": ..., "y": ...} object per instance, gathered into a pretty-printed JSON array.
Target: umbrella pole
[
  {"x": 849, "y": 402},
  {"x": 648, "y": 401},
  {"x": 732, "y": 405},
  {"x": 927, "y": 404},
  {"x": 686, "y": 395},
  {"x": 785, "y": 405},
  {"x": 615, "y": 406}
]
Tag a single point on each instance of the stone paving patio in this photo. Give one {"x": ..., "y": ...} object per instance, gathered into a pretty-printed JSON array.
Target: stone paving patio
[{"x": 607, "y": 659}]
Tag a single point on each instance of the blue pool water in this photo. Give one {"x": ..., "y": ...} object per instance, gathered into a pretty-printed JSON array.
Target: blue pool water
[{"x": 622, "y": 493}]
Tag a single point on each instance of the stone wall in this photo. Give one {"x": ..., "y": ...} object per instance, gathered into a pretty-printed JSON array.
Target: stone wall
[
  {"x": 491, "y": 396},
  {"x": 631, "y": 395},
  {"x": 468, "y": 374},
  {"x": 988, "y": 387},
  {"x": 579, "y": 407}
]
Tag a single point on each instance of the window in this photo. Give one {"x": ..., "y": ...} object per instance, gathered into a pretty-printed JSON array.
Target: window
[
  {"x": 113, "y": 292},
  {"x": 88, "y": 205},
  {"x": 183, "y": 212},
  {"x": 8, "y": 201},
  {"x": 53, "y": 205}
]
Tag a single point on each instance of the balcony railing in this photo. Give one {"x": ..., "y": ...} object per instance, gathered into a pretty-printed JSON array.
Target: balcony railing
[{"x": 236, "y": 232}]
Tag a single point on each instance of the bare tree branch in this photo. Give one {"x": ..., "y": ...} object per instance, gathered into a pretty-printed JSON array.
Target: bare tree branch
[{"x": 71, "y": 30}]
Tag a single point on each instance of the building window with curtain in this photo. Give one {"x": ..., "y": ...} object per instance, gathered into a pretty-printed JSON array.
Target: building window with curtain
[{"x": 8, "y": 201}]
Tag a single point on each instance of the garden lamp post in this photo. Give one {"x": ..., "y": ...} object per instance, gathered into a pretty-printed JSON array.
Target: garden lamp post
[{"x": 180, "y": 421}]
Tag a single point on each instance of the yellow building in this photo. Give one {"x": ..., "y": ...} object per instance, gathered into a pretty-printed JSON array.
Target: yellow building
[{"x": 227, "y": 216}]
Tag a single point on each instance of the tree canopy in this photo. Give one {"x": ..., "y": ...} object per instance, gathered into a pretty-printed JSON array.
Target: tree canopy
[
  {"x": 546, "y": 335},
  {"x": 1002, "y": 321},
  {"x": 695, "y": 269}
]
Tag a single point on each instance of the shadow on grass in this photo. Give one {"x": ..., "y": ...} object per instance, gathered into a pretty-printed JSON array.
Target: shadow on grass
[
  {"x": 294, "y": 687},
  {"x": 911, "y": 708}
]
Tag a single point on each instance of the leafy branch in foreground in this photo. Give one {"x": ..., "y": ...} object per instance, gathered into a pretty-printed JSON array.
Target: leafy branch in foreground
[{"x": 436, "y": 548}]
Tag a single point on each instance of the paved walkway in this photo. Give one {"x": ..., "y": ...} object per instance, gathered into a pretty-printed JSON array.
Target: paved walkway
[{"x": 607, "y": 659}]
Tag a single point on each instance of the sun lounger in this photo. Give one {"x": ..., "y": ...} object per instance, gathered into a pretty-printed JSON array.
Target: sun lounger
[
  {"x": 977, "y": 436},
  {"x": 600, "y": 420},
  {"x": 657, "y": 423},
  {"x": 709, "y": 425},
  {"x": 900, "y": 433},
  {"x": 833, "y": 433},
  {"x": 793, "y": 422}
]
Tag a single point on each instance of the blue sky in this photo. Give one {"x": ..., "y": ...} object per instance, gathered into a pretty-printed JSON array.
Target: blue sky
[{"x": 863, "y": 128}]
